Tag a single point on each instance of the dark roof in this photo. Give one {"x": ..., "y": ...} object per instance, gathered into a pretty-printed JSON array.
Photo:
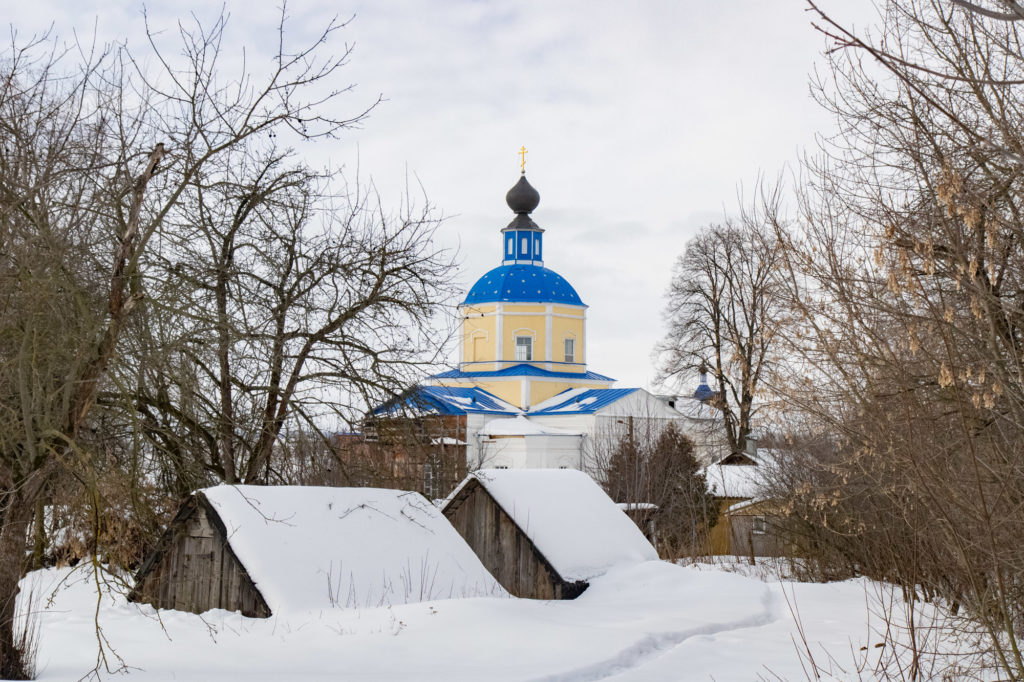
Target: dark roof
[
  {"x": 522, "y": 198},
  {"x": 522, "y": 370},
  {"x": 522, "y": 222},
  {"x": 522, "y": 284}
]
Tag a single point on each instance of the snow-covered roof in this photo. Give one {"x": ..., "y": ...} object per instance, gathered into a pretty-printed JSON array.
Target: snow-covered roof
[
  {"x": 422, "y": 400},
  {"x": 636, "y": 506},
  {"x": 581, "y": 400},
  {"x": 446, "y": 440},
  {"x": 734, "y": 480},
  {"x": 696, "y": 409},
  {"x": 312, "y": 548},
  {"x": 521, "y": 426},
  {"x": 568, "y": 517}
]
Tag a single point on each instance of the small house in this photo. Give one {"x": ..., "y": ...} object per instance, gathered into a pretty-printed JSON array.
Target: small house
[
  {"x": 754, "y": 528},
  {"x": 544, "y": 533},
  {"x": 260, "y": 550},
  {"x": 734, "y": 480}
]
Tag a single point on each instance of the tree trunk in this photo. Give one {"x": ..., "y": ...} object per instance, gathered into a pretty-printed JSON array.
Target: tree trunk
[
  {"x": 16, "y": 517},
  {"x": 39, "y": 534}
]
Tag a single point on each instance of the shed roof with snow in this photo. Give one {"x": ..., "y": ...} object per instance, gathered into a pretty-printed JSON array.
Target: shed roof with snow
[
  {"x": 734, "y": 480},
  {"x": 261, "y": 550},
  {"x": 544, "y": 533}
]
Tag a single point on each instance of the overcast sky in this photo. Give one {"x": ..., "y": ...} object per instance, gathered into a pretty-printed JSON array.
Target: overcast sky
[{"x": 641, "y": 119}]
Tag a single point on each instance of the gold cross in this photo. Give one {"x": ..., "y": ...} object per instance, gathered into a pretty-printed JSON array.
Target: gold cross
[{"x": 522, "y": 159}]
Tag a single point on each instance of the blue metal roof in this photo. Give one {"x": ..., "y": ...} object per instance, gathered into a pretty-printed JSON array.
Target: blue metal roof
[
  {"x": 586, "y": 401},
  {"x": 704, "y": 392},
  {"x": 522, "y": 370},
  {"x": 522, "y": 284},
  {"x": 446, "y": 400}
]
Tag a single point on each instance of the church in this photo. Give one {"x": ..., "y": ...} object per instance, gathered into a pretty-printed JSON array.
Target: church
[{"x": 522, "y": 394}]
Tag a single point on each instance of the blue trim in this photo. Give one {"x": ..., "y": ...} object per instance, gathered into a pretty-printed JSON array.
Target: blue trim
[
  {"x": 522, "y": 284},
  {"x": 522, "y": 370},
  {"x": 586, "y": 402},
  {"x": 448, "y": 400}
]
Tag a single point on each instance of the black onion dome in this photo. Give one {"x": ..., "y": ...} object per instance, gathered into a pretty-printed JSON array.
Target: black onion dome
[{"x": 522, "y": 198}]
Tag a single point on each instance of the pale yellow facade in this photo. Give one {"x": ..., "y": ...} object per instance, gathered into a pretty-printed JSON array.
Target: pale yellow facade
[
  {"x": 548, "y": 336},
  {"x": 490, "y": 332}
]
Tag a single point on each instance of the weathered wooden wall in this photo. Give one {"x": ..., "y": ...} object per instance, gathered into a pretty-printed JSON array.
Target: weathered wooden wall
[
  {"x": 504, "y": 549},
  {"x": 747, "y": 542},
  {"x": 195, "y": 570},
  {"x": 721, "y": 536}
]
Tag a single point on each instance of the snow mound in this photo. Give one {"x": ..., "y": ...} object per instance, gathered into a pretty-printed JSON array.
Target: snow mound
[
  {"x": 311, "y": 548},
  {"x": 569, "y": 518}
]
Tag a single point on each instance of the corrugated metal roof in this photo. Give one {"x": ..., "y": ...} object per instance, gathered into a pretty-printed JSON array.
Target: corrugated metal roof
[
  {"x": 522, "y": 284},
  {"x": 581, "y": 400},
  {"x": 447, "y": 400},
  {"x": 521, "y": 371}
]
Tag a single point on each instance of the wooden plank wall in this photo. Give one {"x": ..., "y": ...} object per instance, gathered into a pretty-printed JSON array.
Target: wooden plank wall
[
  {"x": 505, "y": 550},
  {"x": 197, "y": 571}
]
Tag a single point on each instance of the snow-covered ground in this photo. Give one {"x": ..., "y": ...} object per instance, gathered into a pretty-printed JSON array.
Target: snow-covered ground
[{"x": 647, "y": 621}]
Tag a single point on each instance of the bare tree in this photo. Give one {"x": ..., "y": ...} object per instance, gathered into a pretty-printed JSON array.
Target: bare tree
[
  {"x": 723, "y": 314},
  {"x": 906, "y": 285},
  {"x": 99, "y": 155},
  {"x": 288, "y": 305},
  {"x": 655, "y": 464}
]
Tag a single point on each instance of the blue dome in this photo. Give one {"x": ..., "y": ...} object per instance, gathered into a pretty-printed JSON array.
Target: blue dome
[{"x": 522, "y": 284}]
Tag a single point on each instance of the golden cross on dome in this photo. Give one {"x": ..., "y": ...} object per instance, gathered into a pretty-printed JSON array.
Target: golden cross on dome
[{"x": 522, "y": 159}]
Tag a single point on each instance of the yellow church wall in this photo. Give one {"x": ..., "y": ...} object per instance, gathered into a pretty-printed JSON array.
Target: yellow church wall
[
  {"x": 510, "y": 390},
  {"x": 481, "y": 325},
  {"x": 523, "y": 325},
  {"x": 518, "y": 308},
  {"x": 561, "y": 329},
  {"x": 479, "y": 338},
  {"x": 477, "y": 310},
  {"x": 542, "y": 390}
]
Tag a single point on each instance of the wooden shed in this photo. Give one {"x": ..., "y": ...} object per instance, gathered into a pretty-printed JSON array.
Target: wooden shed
[
  {"x": 544, "y": 533},
  {"x": 756, "y": 529},
  {"x": 734, "y": 480},
  {"x": 194, "y": 568},
  {"x": 262, "y": 550}
]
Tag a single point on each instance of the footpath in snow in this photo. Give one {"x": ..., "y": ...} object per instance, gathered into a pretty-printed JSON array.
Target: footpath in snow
[{"x": 649, "y": 621}]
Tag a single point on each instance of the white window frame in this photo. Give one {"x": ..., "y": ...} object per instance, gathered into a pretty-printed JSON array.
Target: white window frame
[
  {"x": 528, "y": 346},
  {"x": 569, "y": 343},
  {"x": 759, "y": 525}
]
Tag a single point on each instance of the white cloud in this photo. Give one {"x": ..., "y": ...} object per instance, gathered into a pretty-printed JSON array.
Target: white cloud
[{"x": 640, "y": 118}]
